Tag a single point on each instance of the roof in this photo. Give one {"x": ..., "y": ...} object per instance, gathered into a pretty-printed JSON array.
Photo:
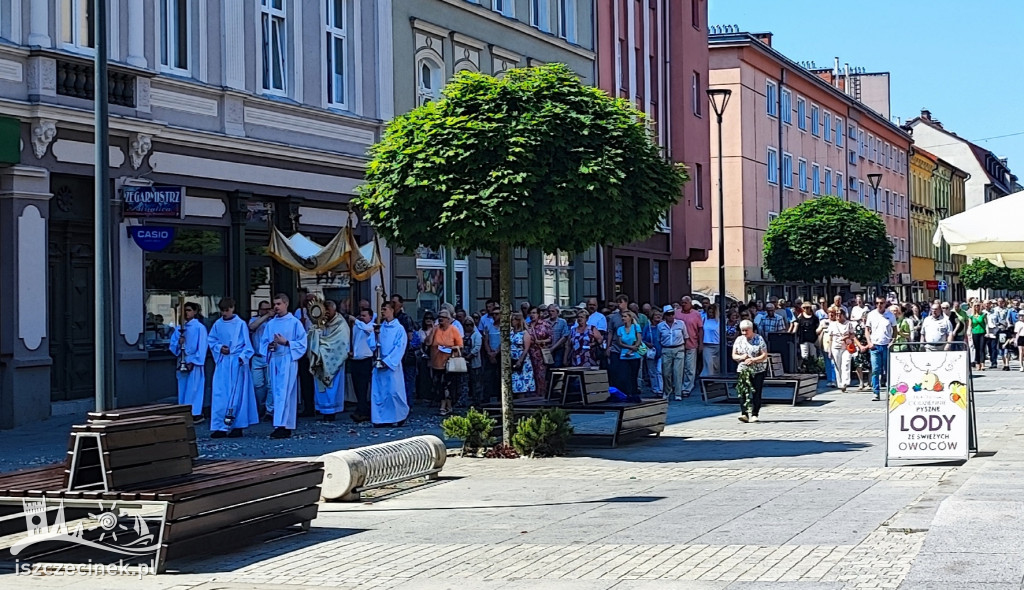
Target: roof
[
  {"x": 980, "y": 154},
  {"x": 752, "y": 39}
]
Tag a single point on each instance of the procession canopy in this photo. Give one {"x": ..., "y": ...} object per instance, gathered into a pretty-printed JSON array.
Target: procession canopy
[{"x": 342, "y": 253}]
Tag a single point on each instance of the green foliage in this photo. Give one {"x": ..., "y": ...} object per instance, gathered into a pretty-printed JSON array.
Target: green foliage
[
  {"x": 544, "y": 434},
  {"x": 825, "y": 238},
  {"x": 473, "y": 429},
  {"x": 983, "y": 274},
  {"x": 469, "y": 170},
  {"x": 745, "y": 390}
]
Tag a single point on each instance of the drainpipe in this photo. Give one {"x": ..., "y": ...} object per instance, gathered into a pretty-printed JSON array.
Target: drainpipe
[{"x": 782, "y": 82}]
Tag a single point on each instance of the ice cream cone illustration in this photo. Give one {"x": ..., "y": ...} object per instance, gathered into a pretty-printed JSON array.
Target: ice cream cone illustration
[
  {"x": 896, "y": 401},
  {"x": 958, "y": 394}
]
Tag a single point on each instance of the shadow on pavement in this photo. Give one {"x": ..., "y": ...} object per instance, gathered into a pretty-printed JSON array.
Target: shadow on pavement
[
  {"x": 263, "y": 548},
  {"x": 615, "y": 500},
  {"x": 668, "y": 449}
]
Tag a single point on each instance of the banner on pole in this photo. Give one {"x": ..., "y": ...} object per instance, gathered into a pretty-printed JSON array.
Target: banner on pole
[{"x": 929, "y": 396}]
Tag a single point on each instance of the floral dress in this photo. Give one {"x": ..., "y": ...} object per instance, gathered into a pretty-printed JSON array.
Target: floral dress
[
  {"x": 522, "y": 380},
  {"x": 862, "y": 360},
  {"x": 539, "y": 330},
  {"x": 581, "y": 348}
]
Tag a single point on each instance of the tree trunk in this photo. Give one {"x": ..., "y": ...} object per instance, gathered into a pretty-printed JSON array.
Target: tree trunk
[{"x": 505, "y": 297}]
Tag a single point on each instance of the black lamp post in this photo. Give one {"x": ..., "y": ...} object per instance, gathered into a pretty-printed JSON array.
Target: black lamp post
[
  {"x": 942, "y": 211},
  {"x": 874, "y": 179},
  {"x": 719, "y": 100}
]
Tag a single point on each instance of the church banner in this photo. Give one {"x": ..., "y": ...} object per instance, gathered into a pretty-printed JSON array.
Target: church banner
[{"x": 928, "y": 410}]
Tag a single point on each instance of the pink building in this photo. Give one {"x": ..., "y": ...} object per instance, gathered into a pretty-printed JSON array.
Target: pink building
[
  {"x": 655, "y": 53},
  {"x": 789, "y": 136}
]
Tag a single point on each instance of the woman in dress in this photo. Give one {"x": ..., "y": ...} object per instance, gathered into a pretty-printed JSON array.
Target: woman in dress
[
  {"x": 841, "y": 337},
  {"x": 540, "y": 338},
  {"x": 862, "y": 359},
  {"x": 522, "y": 369},
  {"x": 751, "y": 352},
  {"x": 581, "y": 342},
  {"x": 629, "y": 339}
]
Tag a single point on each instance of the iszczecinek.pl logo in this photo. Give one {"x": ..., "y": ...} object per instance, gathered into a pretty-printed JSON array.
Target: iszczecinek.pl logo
[{"x": 109, "y": 529}]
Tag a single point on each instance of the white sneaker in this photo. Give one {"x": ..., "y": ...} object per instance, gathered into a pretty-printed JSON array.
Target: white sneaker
[
  {"x": 754, "y": 419},
  {"x": 743, "y": 418}
]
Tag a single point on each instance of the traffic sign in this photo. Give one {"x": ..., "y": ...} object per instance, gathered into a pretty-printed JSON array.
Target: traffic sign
[{"x": 942, "y": 285}]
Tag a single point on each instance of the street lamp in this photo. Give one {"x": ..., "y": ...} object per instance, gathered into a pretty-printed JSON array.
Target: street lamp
[
  {"x": 942, "y": 211},
  {"x": 719, "y": 98},
  {"x": 874, "y": 179}
]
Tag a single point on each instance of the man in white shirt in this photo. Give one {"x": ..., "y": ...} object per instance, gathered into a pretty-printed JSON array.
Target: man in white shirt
[
  {"x": 858, "y": 310},
  {"x": 879, "y": 330},
  {"x": 597, "y": 318},
  {"x": 936, "y": 331}
]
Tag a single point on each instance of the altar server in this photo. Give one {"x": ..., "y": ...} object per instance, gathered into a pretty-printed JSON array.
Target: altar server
[
  {"x": 283, "y": 344},
  {"x": 328, "y": 351},
  {"x": 233, "y": 406},
  {"x": 388, "y": 402},
  {"x": 188, "y": 343}
]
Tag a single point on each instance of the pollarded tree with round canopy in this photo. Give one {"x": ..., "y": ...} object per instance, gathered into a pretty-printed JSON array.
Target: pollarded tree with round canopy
[{"x": 473, "y": 169}]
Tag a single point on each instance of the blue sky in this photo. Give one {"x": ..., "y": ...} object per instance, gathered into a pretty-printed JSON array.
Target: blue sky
[{"x": 961, "y": 60}]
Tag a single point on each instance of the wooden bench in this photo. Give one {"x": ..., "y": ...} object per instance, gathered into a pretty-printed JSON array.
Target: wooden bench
[
  {"x": 591, "y": 385},
  {"x": 633, "y": 420},
  {"x": 143, "y": 465},
  {"x": 796, "y": 387},
  {"x": 153, "y": 410}
]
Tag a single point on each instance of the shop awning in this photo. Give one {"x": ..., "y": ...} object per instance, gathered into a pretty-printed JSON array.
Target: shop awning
[
  {"x": 342, "y": 253},
  {"x": 992, "y": 231}
]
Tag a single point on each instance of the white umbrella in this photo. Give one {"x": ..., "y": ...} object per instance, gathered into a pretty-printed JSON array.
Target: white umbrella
[{"x": 994, "y": 231}]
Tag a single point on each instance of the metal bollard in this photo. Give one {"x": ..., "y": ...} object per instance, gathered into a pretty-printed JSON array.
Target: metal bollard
[{"x": 348, "y": 472}]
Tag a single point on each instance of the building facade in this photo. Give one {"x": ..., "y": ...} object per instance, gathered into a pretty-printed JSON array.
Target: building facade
[
  {"x": 989, "y": 176},
  {"x": 789, "y": 136},
  {"x": 655, "y": 54},
  {"x": 262, "y": 111},
  {"x": 435, "y": 39},
  {"x": 923, "y": 218}
]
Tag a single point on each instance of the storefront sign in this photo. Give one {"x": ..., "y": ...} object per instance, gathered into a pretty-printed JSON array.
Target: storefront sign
[
  {"x": 928, "y": 405},
  {"x": 152, "y": 201},
  {"x": 931, "y": 285},
  {"x": 152, "y": 238}
]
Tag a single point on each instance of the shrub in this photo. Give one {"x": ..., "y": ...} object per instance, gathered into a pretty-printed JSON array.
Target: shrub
[
  {"x": 473, "y": 429},
  {"x": 501, "y": 451},
  {"x": 544, "y": 434}
]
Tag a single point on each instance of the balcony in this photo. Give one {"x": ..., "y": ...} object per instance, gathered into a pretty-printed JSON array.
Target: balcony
[{"x": 77, "y": 79}]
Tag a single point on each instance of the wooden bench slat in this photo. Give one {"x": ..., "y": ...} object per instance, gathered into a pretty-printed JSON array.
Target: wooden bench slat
[
  {"x": 276, "y": 471},
  {"x": 180, "y": 530},
  {"x": 124, "y": 477},
  {"x": 150, "y": 436},
  {"x": 141, "y": 423},
  {"x": 240, "y": 534},
  {"x": 208, "y": 502}
]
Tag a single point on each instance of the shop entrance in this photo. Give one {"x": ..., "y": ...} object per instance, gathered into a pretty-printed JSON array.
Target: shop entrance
[{"x": 70, "y": 289}]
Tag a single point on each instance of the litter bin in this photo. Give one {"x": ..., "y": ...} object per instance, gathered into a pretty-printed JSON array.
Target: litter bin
[{"x": 785, "y": 344}]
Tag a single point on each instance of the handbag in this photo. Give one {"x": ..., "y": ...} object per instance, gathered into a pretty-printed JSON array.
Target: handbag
[
  {"x": 456, "y": 364},
  {"x": 549, "y": 359}
]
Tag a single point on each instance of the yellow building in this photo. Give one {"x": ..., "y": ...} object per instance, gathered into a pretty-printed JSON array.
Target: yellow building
[
  {"x": 922, "y": 223},
  {"x": 951, "y": 264}
]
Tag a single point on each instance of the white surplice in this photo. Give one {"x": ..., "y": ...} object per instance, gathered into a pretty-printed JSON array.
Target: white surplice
[
  {"x": 232, "y": 379},
  {"x": 283, "y": 366},
  {"x": 192, "y": 385},
  {"x": 387, "y": 398}
]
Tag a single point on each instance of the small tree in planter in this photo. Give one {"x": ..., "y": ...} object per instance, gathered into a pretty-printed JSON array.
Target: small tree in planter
[
  {"x": 474, "y": 430},
  {"x": 544, "y": 434}
]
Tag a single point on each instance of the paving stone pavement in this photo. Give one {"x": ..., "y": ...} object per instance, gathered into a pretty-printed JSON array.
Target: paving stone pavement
[{"x": 800, "y": 501}]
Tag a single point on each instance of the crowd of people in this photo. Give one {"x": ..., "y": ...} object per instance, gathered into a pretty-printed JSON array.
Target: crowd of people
[{"x": 281, "y": 365}]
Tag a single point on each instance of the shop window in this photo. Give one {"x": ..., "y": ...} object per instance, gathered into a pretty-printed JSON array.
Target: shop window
[{"x": 193, "y": 267}]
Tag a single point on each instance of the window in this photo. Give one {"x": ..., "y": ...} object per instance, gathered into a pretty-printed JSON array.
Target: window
[
  {"x": 787, "y": 170},
  {"x": 840, "y": 132},
  {"x": 828, "y": 182},
  {"x": 888, "y": 202},
  {"x": 540, "y": 15},
  {"x": 802, "y": 174},
  {"x": 174, "y": 32},
  {"x": 558, "y": 278},
  {"x": 698, "y": 97},
  {"x": 828, "y": 126},
  {"x": 274, "y": 42},
  {"x": 787, "y": 106},
  {"x": 773, "y": 165},
  {"x": 860, "y": 192},
  {"x": 336, "y": 52},
  {"x": 695, "y": 14},
  {"x": 429, "y": 82},
  {"x": 698, "y": 187},
  {"x": 801, "y": 113},
  {"x": 194, "y": 263},
  {"x": 770, "y": 97},
  {"x": 815, "y": 121},
  {"x": 76, "y": 23},
  {"x": 885, "y": 155},
  {"x": 566, "y": 19},
  {"x": 861, "y": 149},
  {"x": 872, "y": 149},
  {"x": 903, "y": 248},
  {"x": 505, "y": 7},
  {"x": 816, "y": 179},
  {"x": 840, "y": 186}
]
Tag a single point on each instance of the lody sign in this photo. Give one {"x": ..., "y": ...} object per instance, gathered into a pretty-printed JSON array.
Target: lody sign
[
  {"x": 928, "y": 406},
  {"x": 152, "y": 201}
]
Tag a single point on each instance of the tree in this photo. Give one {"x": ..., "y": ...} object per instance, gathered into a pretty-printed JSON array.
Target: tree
[
  {"x": 981, "y": 273},
  {"x": 825, "y": 238},
  {"x": 468, "y": 170}
]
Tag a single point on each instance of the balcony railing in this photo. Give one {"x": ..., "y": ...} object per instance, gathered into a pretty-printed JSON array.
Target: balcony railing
[{"x": 77, "y": 79}]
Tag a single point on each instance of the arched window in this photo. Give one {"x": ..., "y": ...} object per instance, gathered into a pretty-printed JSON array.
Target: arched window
[{"x": 429, "y": 83}]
